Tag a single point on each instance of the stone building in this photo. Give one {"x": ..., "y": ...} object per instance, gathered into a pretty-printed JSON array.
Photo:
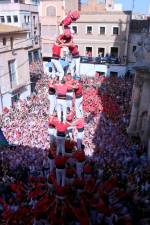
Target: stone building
[
  {"x": 140, "y": 114},
  {"x": 139, "y": 30},
  {"x": 51, "y": 13},
  {"x": 101, "y": 28},
  {"x": 24, "y": 14},
  {"x": 14, "y": 65}
]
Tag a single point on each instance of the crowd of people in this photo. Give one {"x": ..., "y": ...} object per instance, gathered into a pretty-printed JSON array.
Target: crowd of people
[
  {"x": 69, "y": 159},
  {"x": 113, "y": 187}
]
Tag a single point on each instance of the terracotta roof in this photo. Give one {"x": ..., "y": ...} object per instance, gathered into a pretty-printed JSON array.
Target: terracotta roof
[{"x": 10, "y": 29}]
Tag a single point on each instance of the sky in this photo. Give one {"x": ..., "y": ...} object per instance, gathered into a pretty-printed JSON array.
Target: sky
[{"x": 140, "y": 6}]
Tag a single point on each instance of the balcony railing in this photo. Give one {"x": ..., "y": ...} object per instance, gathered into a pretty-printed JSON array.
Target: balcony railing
[{"x": 100, "y": 60}]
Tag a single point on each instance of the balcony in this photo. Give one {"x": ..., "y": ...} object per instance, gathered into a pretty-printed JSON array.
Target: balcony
[
  {"x": 8, "y": 6},
  {"x": 100, "y": 60}
]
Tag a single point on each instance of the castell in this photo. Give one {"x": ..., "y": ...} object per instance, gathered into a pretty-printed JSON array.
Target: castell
[{"x": 74, "y": 113}]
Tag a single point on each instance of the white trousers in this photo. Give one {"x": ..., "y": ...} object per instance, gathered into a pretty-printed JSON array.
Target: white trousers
[
  {"x": 60, "y": 176},
  {"x": 69, "y": 99},
  {"x": 70, "y": 132},
  {"x": 57, "y": 68},
  {"x": 78, "y": 107},
  {"x": 80, "y": 136},
  {"x": 60, "y": 145},
  {"x": 61, "y": 107},
  {"x": 52, "y": 134},
  {"x": 75, "y": 66},
  {"x": 52, "y": 99}
]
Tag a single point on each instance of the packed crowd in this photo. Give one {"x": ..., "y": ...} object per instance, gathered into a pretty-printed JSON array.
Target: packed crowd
[
  {"x": 70, "y": 160},
  {"x": 113, "y": 187}
]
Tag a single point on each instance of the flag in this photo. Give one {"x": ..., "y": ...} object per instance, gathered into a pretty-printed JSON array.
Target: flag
[{"x": 3, "y": 140}]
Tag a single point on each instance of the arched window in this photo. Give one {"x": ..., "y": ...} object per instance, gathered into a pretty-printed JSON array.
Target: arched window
[{"x": 51, "y": 11}]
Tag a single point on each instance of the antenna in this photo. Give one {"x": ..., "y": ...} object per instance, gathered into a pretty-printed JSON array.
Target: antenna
[{"x": 133, "y": 5}]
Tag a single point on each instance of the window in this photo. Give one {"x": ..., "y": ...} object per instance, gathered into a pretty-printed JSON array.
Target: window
[
  {"x": 11, "y": 42},
  {"x": 115, "y": 30},
  {"x": 2, "y": 19},
  {"x": 12, "y": 72},
  {"x": 114, "y": 52},
  {"x": 28, "y": 19},
  {"x": 102, "y": 30},
  {"x": 134, "y": 48},
  {"x": 8, "y": 19},
  {"x": 34, "y": 21},
  {"x": 51, "y": 11},
  {"x": 88, "y": 51},
  {"x": 25, "y": 19},
  {"x": 101, "y": 52},
  {"x": 30, "y": 57},
  {"x": 15, "y": 19},
  {"x": 4, "y": 41},
  {"x": 89, "y": 29},
  {"x": 36, "y": 55},
  {"x": 74, "y": 28}
]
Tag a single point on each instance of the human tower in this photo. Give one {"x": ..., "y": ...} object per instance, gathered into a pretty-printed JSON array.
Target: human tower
[{"x": 66, "y": 120}]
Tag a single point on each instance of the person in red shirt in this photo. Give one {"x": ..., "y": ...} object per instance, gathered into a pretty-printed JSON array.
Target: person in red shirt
[
  {"x": 70, "y": 90},
  {"x": 51, "y": 157},
  {"x": 52, "y": 121},
  {"x": 80, "y": 212},
  {"x": 65, "y": 39},
  {"x": 78, "y": 99},
  {"x": 51, "y": 96},
  {"x": 60, "y": 162},
  {"x": 71, "y": 17},
  {"x": 75, "y": 62},
  {"x": 80, "y": 159},
  {"x": 70, "y": 117},
  {"x": 56, "y": 65},
  {"x": 61, "y": 92},
  {"x": 70, "y": 174},
  {"x": 79, "y": 123},
  {"x": 61, "y": 128}
]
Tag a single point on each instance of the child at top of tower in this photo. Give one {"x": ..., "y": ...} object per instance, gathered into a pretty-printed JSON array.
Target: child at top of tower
[{"x": 71, "y": 17}]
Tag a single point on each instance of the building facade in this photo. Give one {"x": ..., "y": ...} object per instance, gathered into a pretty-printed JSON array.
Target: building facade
[
  {"x": 139, "y": 30},
  {"x": 140, "y": 114},
  {"x": 101, "y": 30},
  {"x": 14, "y": 65},
  {"x": 51, "y": 14},
  {"x": 24, "y": 14}
]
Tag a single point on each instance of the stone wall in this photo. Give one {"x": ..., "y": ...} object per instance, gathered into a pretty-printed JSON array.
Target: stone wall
[{"x": 140, "y": 113}]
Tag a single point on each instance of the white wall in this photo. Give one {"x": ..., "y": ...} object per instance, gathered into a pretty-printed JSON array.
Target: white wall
[
  {"x": 91, "y": 69},
  {"x": 6, "y": 98},
  {"x": 121, "y": 70}
]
